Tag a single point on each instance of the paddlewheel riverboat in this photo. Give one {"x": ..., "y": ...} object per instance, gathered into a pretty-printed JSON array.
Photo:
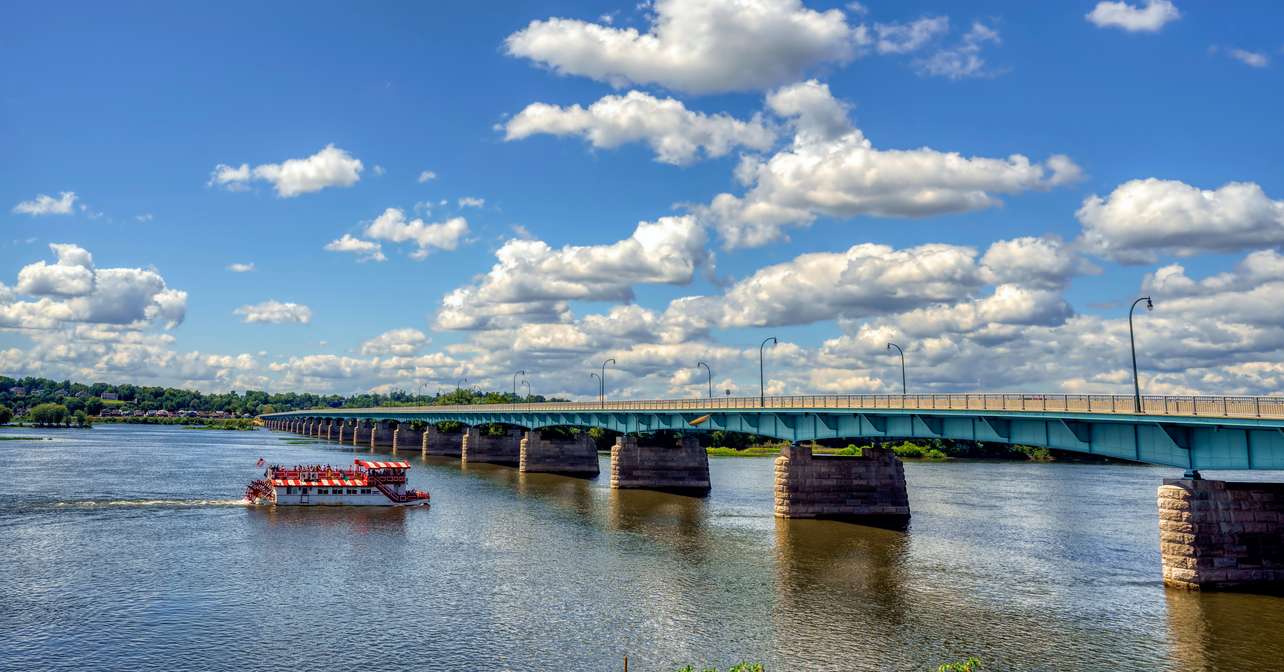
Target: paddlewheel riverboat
[{"x": 366, "y": 483}]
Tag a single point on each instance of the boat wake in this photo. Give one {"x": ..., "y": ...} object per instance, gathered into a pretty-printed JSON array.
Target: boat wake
[{"x": 141, "y": 503}]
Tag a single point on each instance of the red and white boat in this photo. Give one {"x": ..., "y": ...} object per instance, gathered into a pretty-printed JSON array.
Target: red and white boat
[{"x": 366, "y": 483}]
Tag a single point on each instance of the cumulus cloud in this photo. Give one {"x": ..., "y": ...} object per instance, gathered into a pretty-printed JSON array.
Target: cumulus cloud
[
  {"x": 961, "y": 60},
  {"x": 401, "y": 342},
  {"x": 43, "y": 204},
  {"x": 426, "y": 176},
  {"x": 1255, "y": 59},
  {"x": 330, "y": 167},
  {"x": 72, "y": 290},
  {"x": 393, "y": 226},
  {"x": 677, "y": 135},
  {"x": 903, "y": 38},
  {"x": 531, "y": 278},
  {"x": 366, "y": 250},
  {"x": 472, "y": 202},
  {"x": 832, "y": 169},
  {"x": 240, "y": 267},
  {"x": 1148, "y": 18},
  {"x": 274, "y": 312},
  {"x": 696, "y": 46},
  {"x": 1141, "y": 219}
]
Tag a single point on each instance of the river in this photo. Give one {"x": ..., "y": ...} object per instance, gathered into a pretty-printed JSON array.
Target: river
[{"x": 127, "y": 548}]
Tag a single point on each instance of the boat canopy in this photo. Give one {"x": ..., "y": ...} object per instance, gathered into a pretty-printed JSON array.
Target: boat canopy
[
  {"x": 371, "y": 464},
  {"x": 324, "y": 482}
]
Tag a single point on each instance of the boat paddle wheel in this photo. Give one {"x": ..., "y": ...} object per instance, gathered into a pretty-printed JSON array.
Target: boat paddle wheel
[{"x": 260, "y": 490}]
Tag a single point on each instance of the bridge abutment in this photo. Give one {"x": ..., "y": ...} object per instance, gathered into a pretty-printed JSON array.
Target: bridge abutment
[
  {"x": 577, "y": 457},
  {"x": 869, "y": 489},
  {"x": 478, "y": 447},
  {"x": 683, "y": 469},
  {"x": 1219, "y": 535}
]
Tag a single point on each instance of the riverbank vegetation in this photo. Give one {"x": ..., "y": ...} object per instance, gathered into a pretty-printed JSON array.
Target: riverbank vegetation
[{"x": 240, "y": 424}]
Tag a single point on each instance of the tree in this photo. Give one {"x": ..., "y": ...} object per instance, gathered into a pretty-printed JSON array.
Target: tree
[
  {"x": 82, "y": 420},
  {"x": 49, "y": 415},
  {"x": 5, "y": 415},
  {"x": 94, "y": 406}
]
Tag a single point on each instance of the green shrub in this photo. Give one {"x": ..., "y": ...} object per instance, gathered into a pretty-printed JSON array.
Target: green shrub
[
  {"x": 48, "y": 415},
  {"x": 908, "y": 450},
  {"x": 972, "y": 664},
  {"x": 5, "y": 415}
]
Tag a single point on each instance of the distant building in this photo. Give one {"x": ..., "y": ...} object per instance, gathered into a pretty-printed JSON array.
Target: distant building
[
  {"x": 109, "y": 396},
  {"x": 18, "y": 391}
]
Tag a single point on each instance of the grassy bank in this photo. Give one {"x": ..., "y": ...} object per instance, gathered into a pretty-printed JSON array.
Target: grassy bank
[{"x": 231, "y": 424}]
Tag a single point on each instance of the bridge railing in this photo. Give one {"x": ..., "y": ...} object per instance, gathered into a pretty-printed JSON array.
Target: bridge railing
[{"x": 1225, "y": 407}]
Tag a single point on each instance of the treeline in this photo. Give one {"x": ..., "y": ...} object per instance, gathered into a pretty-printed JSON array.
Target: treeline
[{"x": 23, "y": 394}]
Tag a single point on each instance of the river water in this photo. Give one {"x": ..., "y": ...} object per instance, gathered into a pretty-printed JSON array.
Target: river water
[{"x": 126, "y": 548}]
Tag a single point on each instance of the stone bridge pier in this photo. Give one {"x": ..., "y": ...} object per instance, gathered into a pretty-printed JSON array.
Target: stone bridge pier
[
  {"x": 361, "y": 432},
  {"x": 682, "y": 469},
  {"x": 382, "y": 433},
  {"x": 869, "y": 489},
  {"x": 405, "y": 437},
  {"x": 479, "y": 447},
  {"x": 577, "y": 457},
  {"x": 1218, "y": 535},
  {"x": 442, "y": 444}
]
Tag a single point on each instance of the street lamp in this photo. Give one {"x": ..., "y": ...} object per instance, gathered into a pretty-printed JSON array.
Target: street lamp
[
  {"x": 600, "y": 388},
  {"x": 527, "y": 383},
  {"x": 706, "y": 368},
  {"x": 459, "y": 384},
  {"x": 898, "y": 349},
  {"x": 603, "y": 379},
  {"x": 762, "y": 382},
  {"x": 515, "y": 374},
  {"x": 1136, "y": 385}
]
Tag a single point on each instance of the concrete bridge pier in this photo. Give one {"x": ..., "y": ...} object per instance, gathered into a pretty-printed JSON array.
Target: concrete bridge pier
[
  {"x": 306, "y": 428},
  {"x": 1219, "y": 535},
  {"x": 577, "y": 457},
  {"x": 683, "y": 469},
  {"x": 343, "y": 430},
  {"x": 869, "y": 489},
  {"x": 405, "y": 437},
  {"x": 478, "y": 447},
  {"x": 328, "y": 428},
  {"x": 361, "y": 433}
]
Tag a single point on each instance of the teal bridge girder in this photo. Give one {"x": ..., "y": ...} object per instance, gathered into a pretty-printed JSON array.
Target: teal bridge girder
[{"x": 1187, "y": 432}]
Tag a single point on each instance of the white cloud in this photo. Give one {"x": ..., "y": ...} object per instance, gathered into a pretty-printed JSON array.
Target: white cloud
[
  {"x": 696, "y": 46},
  {"x": 832, "y": 169},
  {"x": 903, "y": 38},
  {"x": 378, "y": 170},
  {"x": 1255, "y": 59},
  {"x": 676, "y": 135},
  {"x": 530, "y": 280},
  {"x": 401, "y": 342},
  {"x": 1132, "y": 18},
  {"x": 393, "y": 226},
  {"x": 963, "y": 59},
  {"x": 426, "y": 176},
  {"x": 1143, "y": 218},
  {"x": 44, "y": 204},
  {"x": 241, "y": 267},
  {"x": 1042, "y": 263},
  {"x": 144, "y": 218},
  {"x": 472, "y": 202},
  {"x": 366, "y": 250},
  {"x": 72, "y": 291},
  {"x": 330, "y": 167},
  {"x": 274, "y": 312}
]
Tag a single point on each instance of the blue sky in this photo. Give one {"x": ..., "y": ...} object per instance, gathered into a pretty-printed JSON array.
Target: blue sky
[{"x": 167, "y": 124}]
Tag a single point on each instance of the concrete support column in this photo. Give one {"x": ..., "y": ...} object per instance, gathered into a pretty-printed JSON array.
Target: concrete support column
[
  {"x": 329, "y": 428},
  {"x": 478, "y": 447},
  {"x": 443, "y": 444},
  {"x": 382, "y": 436},
  {"x": 869, "y": 489},
  {"x": 1218, "y": 535},
  {"x": 404, "y": 437},
  {"x": 343, "y": 430},
  {"x": 306, "y": 430},
  {"x": 577, "y": 457},
  {"x": 683, "y": 468},
  {"x": 361, "y": 433}
]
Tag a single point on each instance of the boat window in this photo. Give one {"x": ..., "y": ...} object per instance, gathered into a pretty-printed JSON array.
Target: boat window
[
  {"x": 352, "y": 492},
  {"x": 289, "y": 491},
  {"x": 323, "y": 491},
  {"x": 365, "y": 491}
]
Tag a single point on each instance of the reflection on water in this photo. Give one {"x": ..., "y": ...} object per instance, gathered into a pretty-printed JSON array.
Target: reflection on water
[{"x": 127, "y": 548}]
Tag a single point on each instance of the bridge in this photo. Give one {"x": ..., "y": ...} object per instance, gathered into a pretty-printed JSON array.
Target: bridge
[{"x": 1214, "y": 534}]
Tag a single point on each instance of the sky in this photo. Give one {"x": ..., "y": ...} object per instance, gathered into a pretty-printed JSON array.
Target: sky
[{"x": 345, "y": 197}]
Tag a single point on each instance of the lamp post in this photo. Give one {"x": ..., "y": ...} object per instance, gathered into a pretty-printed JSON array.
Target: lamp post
[
  {"x": 459, "y": 384},
  {"x": 527, "y": 383},
  {"x": 706, "y": 368},
  {"x": 515, "y": 374},
  {"x": 762, "y": 381},
  {"x": 898, "y": 349},
  {"x": 1132, "y": 342},
  {"x": 603, "y": 379},
  {"x": 600, "y": 387}
]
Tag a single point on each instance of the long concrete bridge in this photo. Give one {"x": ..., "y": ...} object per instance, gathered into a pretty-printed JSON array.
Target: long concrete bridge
[{"x": 1214, "y": 534}]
